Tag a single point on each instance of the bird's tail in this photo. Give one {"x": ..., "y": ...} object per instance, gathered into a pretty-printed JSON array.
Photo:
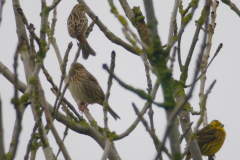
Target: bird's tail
[
  {"x": 86, "y": 50},
  {"x": 188, "y": 157},
  {"x": 115, "y": 116}
]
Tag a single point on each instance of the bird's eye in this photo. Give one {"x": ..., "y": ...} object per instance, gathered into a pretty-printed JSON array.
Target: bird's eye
[{"x": 82, "y": 6}]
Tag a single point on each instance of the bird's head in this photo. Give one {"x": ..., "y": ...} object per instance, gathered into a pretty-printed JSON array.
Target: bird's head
[
  {"x": 80, "y": 7},
  {"x": 216, "y": 124}
]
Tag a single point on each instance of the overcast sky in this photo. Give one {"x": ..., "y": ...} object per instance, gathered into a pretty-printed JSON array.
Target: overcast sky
[{"x": 222, "y": 104}]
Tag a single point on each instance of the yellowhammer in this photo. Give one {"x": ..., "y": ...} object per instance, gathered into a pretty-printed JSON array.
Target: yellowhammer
[{"x": 210, "y": 139}]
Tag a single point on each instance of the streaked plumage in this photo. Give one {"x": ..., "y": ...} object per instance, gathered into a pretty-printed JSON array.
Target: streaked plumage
[
  {"x": 210, "y": 139},
  {"x": 77, "y": 26},
  {"x": 85, "y": 88}
]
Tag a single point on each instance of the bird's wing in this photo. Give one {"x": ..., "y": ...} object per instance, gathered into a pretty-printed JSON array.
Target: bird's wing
[
  {"x": 206, "y": 135},
  {"x": 94, "y": 89},
  {"x": 77, "y": 23}
]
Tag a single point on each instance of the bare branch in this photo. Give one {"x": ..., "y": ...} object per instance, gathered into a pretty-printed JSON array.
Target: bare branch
[
  {"x": 106, "y": 149},
  {"x": 1, "y": 8},
  {"x": 51, "y": 125},
  {"x": 105, "y": 106},
  {"x": 54, "y": 4},
  {"x": 203, "y": 72},
  {"x": 204, "y": 64},
  {"x": 30, "y": 142},
  {"x": 2, "y": 151},
  {"x": 143, "y": 111},
  {"x": 139, "y": 92},
  {"x": 185, "y": 132},
  {"x": 232, "y": 6},
  {"x": 173, "y": 18},
  {"x": 154, "y": 137}
]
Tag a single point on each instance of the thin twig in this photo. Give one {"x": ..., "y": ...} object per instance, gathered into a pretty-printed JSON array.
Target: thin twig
[
  {"x": 90, "y": 28},
  {"x": 64, "y": 136},
  {"x": 172, "y": 20},
  {"x": 139, "y": 92},
  {"x": 30, "y": 142},
  {"x": 152, "y": 134},
  {"x": 1, "y": 8},
  {"x": 63, "y": 70},
  {"x": 183, "y": 26},
  {"x": 55, "y": 90},
  {"x": 106, "y": 149},
  {"x": 173, "y": 58},
  {"x": 54, "y": 4},
  {"x": 105, "y": 106},
  {"x": 232, "y": 6},
  {"x": 2, "y": 151},
  {"x": 216, "y": 53},
  {"x": 193, "y": 112},
  {"x": 51, "y": 125},
  {"x": 67, "y": 80},
  {"x": 15, "y": 101},
  {"x": 204, "y": 65},
  {"x": 185, "y": 132}
]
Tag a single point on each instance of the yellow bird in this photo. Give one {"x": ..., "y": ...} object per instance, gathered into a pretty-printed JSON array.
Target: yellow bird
[{"x": 210, "y": 139}]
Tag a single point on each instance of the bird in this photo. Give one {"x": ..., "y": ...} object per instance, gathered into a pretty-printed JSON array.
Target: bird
[
  {"x": 85, "y": 88},
  {"x": 77, "y": 25},
  {"x": 210, "y": 139}
]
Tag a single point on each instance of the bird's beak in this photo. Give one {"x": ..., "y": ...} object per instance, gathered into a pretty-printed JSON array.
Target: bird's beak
[{"x": 222, "y": 125}]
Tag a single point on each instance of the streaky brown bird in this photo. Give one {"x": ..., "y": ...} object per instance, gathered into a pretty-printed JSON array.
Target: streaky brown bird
[
  {"x": 86, "y": 89},
  {"x": 77, "y": 25}
]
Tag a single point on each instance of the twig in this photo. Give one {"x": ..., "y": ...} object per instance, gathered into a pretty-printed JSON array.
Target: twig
[
  {"x": 187, "y": 19},
  {"x": 90, "y": 28},
  {"x": 149, "y": 82},
  {"x": 173, "y": 18},
  {"x": 30, "y": 142},
  {"x": 185, "y": 132},
  {"x": 193, "y": 112},
  {"x": 139, "y": 92},
  {"x": 64, "y": 136},
  {"x": 143, "y": 111},
  {"x": 105, "y": 106},
  {"x": 232, "y": 6},
  {"x": 106, "y": 149},
  {"x": 173, "y": 58},
  {"x": 54, "y": 4},
  {"x": 63, "y": 70},
  {"x": 1, "y": 8},
  {"x": 204, "y": 64},
  {"x": 152, "y": 134},
  {"x": 15, "y": 101},
  {"x": 55, "y": 90},
  {"x": 129, "y": 13},
  {"x": 216, "y": 53},
  {"x": 51, "y": 125},
  {"x": 67, "y": 80},
  {"x": 2, "y": 151}
]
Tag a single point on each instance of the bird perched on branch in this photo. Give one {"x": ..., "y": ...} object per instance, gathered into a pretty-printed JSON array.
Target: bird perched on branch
[
  {"x": 77, "y": 26},
  {"x": 210, "y": 139},
  {"x": 85, "y": 89}
]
